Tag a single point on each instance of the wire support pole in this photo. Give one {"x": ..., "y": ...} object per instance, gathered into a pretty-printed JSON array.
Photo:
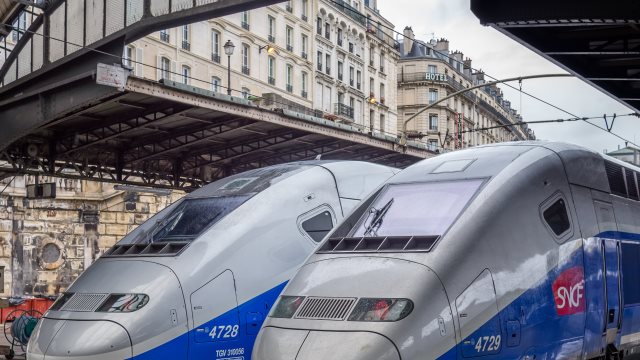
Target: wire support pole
[{"x": 403, "y": 139}]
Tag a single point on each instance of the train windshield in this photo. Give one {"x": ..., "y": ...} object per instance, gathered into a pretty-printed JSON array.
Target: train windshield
[
  {"x": 193, "y": 216},
  {"x": 418, "y": 209}
]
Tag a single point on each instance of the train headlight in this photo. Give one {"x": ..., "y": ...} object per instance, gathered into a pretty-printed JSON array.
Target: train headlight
[
  {"x": 123, "y": 303},
  {"x": 59, "y": 303},
  {"x": 287, "y": 306},
  {"x": 381, "y": 310}
]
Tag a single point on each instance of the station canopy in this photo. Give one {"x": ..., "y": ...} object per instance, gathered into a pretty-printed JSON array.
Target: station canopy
[{"x": 598, "y": 41}]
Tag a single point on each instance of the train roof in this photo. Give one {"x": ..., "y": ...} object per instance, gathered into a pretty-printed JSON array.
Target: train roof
[
  {"x": 583, "y": 166},
  {"x": 350, "y": 177}
]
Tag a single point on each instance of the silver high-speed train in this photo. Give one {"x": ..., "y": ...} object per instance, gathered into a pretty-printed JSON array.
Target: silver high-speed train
[
  {"x": 197, "y": 280},
  {"x": 511, "y": 251}
]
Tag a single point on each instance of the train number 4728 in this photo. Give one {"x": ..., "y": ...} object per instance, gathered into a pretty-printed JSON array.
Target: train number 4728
[
  {"x": 488, "y": 343},
  {"x": 224, "y": 332}
]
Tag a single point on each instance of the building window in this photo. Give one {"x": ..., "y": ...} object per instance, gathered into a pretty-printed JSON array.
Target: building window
[
  {"x": 165, "y": 68},
  {"x": 433, "y": 69},
  {"x": 382, "y": 62},
  {"x": 327, "y": 31},
  {"x": 359, "y": 80},
  {"x": 289, "y": 6},
  {"x": 271, "y": 65},
  {"x": 186, "y": 74},
  {"x": 433, "y": 96},
  {"x": 319, "y": 26},
  {"x": 289, "y": 38},
  {"x": 382, "y": 93},
  {"x": 372, "y": 116},
  {"x": 433, "y": 145},
  {"x": 339, "y": 37},
  {"x": 319, "y": 60},
  {"x": 372, "y": 56},
  {"x": 372, "y": 86},
  {"x": 289, "y": 78},
  {"x": 304, "y": 81},
  {"x": 272, "y": 29},
  {"x": 215, "y": 84},
  {"x": 245, "y": 20},
  {"x": 127, "y": 57},
  {"x": 305, "y": 10},
  {"x": 328, "y": 64},
  {"x": 20, "y": 26},
  {"x": 215, "y": 46},
  {"x": 351, "y": 76},
  {"x": 433, "y": 122},
  {"x": 186, "y": 45},
  {"x": 164, "y": 35},
  {"x": 382, "y": 123},
  {"x": 245, "y": 59},
  {"x": 305, "y": 42},
  {"x": 245, "y": 93},
  {"x": 340, "y": 70}
]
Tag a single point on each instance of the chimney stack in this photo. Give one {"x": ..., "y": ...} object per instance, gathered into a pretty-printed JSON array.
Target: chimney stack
[
  {"x": 442, "y": 45},
  {"x": 409, "y": 38}
]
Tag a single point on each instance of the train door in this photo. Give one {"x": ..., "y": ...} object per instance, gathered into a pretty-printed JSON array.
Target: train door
[
  {"x": 611, "y": 262},
  {"x": 216, "y": 331}
]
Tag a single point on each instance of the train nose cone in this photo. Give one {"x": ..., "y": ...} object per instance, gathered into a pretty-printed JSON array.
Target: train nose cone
[
  {"x": 284, "y": 344},
  {"x": 81, "y": 340}
]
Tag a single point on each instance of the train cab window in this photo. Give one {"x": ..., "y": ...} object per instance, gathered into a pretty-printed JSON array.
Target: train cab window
[
  {"x": 318, "y": 226},
  {"x": 416, "y": 209},
  {"x": 557, "y": 217}
]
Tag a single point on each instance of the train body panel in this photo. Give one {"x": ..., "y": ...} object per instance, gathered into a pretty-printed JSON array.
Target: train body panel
[
  {"x": 205, "y": 271},
  {"x": 530, "y": 241}
]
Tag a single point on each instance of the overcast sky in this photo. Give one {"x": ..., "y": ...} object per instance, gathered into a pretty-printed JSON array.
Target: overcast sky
[{"x": 502, "y": 57}]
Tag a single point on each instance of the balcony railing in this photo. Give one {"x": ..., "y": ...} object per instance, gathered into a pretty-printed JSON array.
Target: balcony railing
[
  {"x": 340, "y": 41},
  {"x": 289, "y": 8},
  {"x": 272, "y": 80},
  {"x": 304, "y": 18},
  {"x": 319, "y": 66},
  {"x": 382, "y": 69},
  {"x": 164, "y": 37},
  {"x": 186, "y": 45},
  {"x": 344, "y": 111},
  {"x": 290, "y": 88},
  {"x": 328, "y": 71},
  {"x": 272, "y": 39},
  {"x": 350, "y": 11},
  {"x": 245, "y": 25},
  {"x": 215, "y": 58},
  {"x": 304, "y": 94},
  {"x": 246, "y": 70},
  {"x": 290, "y": 48},
  {"x": 340, "y": 76},
  {"x": 304, "y": 55},
  {"x": 359, "y": 86}
]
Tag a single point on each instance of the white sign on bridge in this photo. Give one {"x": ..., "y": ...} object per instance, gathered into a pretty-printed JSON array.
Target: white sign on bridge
[{"x": 112, "y": 75}]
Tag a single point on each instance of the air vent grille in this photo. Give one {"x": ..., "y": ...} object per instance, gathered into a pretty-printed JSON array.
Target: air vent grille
[
  {"x": 379, "y": 244},
  {"x": 616, "y": 179},
  {"x": 147, "y": 250},
  {"x": 84, "y": 302},
  {"x": 316, "y": 308},
  {"x": 631, "y": 184}
]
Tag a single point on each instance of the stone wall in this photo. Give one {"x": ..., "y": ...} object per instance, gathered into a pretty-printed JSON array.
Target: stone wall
[{"x": 46, "y": 244}]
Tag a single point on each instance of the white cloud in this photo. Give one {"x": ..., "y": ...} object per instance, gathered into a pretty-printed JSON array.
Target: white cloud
[{"x": 502, "y": 57}]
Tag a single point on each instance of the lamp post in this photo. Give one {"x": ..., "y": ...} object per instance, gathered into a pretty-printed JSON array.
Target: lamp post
[{"x": 228, "y": 49}]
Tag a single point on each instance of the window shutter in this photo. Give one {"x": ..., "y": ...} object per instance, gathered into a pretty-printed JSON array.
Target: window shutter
[{"x": 139, "y": 62}]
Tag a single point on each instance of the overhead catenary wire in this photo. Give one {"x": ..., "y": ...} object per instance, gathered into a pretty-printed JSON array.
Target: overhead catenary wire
[
  {"x": 446, "y": 55},
  {"x": 121, "y": 58}
]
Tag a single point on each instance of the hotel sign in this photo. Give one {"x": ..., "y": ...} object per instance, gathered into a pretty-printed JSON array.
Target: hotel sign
[{"x": 437, "y": 77}]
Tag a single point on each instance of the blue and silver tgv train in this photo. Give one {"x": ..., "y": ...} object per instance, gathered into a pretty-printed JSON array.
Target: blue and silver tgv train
[
  {"x": 512, "y": 251},
  {"x": 197, "y": 280}
]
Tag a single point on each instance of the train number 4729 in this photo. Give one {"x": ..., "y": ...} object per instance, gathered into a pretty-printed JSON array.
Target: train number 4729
[{"x": 488, "y": 343}]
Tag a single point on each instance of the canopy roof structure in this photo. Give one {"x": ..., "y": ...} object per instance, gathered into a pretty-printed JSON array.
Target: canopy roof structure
[{"x": 598, "y": 41}]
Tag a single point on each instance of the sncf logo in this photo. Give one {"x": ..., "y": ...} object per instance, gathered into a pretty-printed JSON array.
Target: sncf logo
[{"x": 568, "y": 292}]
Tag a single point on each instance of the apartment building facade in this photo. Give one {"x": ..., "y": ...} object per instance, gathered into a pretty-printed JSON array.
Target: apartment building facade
[
  {"x": 333, "y": 58},
  {"x": 427, "y": 72}
]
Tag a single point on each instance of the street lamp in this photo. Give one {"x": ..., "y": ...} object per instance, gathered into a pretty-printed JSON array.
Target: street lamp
[{"x": 228, "y": 49}]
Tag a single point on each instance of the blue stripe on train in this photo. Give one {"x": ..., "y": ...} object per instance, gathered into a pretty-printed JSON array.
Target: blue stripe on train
[
  {"x": 530, "y": 326},
  {"x": 249, "y": 318}
]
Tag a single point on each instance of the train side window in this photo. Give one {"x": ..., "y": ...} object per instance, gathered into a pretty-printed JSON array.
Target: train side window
[
  {"x": 318, "y": 226},
  {"x": 630, "y": 273},
  {"x": 557, "y": 217}
]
